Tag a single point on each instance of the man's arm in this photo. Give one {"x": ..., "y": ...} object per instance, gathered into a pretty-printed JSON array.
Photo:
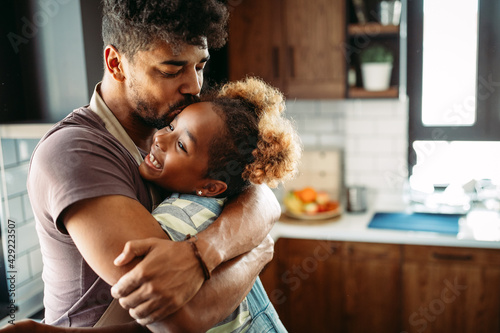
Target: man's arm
[
  {"x": 200, "y": 314},
  {"x": 196, "y": 316},
  {"x": 100, "y": 228},
  {"x": 243, "y": 225}
]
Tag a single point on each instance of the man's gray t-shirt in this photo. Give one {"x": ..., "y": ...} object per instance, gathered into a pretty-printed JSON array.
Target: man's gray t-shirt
[{"x": 77, "y": 159}]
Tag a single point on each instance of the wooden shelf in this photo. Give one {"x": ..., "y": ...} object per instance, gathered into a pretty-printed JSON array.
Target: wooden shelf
[
  {"x": 357, "y": 92},
  {"x": 372, "y": 29}
]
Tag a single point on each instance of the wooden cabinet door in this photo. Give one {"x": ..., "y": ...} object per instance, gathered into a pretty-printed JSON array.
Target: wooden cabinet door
[
  {"x": 451, "y": 290},
  {"x": 372, "y": 287},
  {"x": 292, "y": 44},
  {"x": 256, "y": 39},
  {"x": 306, "y": 290},
  {"x": 315, "y": 63}
]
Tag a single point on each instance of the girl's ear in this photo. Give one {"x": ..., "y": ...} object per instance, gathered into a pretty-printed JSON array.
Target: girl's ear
[{"x": 213, "y": 187}]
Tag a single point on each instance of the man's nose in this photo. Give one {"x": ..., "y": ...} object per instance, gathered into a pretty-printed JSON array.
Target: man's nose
[{"x": 193, "y": 82}]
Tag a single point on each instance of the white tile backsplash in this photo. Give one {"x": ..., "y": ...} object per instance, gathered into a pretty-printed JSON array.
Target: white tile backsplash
[
  {"x": 27, "y": 238},
  {"x": 16, "y": 209},
  {"x": 319, "y": 124},
  {"x": 23, "y": 271},
  {"x": 372, "y": 133},
  {"x": 16, "y": 153},
  {"x": 9, "y": 152},
  {"x": 36, "y": 261},
  {"x": 15, "y": 179}
]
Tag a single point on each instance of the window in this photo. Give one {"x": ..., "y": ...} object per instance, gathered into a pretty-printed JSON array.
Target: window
[{"x": 454, "y": 90}]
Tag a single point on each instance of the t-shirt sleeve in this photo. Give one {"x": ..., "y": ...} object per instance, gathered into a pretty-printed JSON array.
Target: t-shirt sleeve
[
  {"x": 182, "y": 216},
  {"x": 75, "y": 163}
]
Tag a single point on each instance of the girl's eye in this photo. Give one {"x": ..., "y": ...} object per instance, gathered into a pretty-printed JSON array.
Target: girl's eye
[
  {"x": 169, "y": 128},
  {"x": 181, "y": 146}
]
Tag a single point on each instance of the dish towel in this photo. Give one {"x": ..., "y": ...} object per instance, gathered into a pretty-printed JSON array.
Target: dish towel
[{"x": 440, "y": 223}]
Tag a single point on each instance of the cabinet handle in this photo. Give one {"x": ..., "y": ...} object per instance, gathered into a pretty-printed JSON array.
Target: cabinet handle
[
  {"x": 276, "y": 61},
  {"x": 291, "y": 58},
  {"x": 444, "y": 256}
]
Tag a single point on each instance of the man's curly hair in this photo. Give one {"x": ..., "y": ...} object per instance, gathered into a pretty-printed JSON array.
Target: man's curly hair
[{"x": 134, "y": 25}]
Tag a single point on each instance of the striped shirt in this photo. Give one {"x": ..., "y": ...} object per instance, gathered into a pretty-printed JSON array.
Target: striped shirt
[{"x": 183, "y": 214}]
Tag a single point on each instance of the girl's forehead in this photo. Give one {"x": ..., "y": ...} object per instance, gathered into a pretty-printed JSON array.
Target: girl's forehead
[
  {"x": 200, "y": 110},
  {"x": 201, "y": 120}
]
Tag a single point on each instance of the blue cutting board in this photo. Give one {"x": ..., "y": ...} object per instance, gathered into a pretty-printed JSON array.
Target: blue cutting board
[{"x": 441, "y": 223}]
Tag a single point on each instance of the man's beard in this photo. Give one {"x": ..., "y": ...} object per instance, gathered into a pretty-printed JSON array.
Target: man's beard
[{"x": 147, "y": 114}]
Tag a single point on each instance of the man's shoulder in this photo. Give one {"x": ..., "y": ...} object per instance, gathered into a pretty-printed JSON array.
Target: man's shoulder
[
  {"x": 82, "y": 121},
  {"x": 84, "y": 129}
]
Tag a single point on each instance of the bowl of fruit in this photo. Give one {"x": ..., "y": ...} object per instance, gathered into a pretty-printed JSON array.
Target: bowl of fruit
[{"x": 309, "y": 204}]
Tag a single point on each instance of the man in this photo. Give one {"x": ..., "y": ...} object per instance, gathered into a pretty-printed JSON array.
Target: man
[{"x": 89, "y": 200}]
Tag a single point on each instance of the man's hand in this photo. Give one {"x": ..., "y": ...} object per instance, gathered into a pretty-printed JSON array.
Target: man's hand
[
  {"x": 165, "y": 280},
  {"x": 200, "y": 314}
]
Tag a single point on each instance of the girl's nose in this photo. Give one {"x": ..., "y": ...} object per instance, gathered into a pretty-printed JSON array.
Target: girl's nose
[{"x": 160, "y": 140}]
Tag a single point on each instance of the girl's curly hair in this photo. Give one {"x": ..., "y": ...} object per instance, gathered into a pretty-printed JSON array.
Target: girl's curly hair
[
  {"x": 259, "y": 145},
  {"x": 133, "y": 25}
]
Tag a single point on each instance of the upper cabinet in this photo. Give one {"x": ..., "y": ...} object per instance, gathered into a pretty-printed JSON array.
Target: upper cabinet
[
  {"x": 310, "y": 49},
  {"x": 296, "y": 45}
]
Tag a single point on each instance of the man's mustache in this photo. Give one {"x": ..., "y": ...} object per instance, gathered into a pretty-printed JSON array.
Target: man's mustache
[{"x": 188, "y": 100}]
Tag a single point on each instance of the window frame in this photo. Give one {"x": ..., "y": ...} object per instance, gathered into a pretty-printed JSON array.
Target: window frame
[{"x": 487, "y": 126}]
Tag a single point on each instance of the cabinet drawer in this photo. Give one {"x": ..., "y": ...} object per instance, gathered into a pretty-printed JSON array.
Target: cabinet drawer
[
  {"x": 308, "y": 247},
  {"x": 443, "y": 254},
  {"x": 372, "y": 251}
]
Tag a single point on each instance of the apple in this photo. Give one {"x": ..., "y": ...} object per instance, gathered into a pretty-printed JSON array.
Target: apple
[
  {"x": 311, "y": 208},
  {"x": 332, "y": 205},
  {"x": 322, "y": 197}
]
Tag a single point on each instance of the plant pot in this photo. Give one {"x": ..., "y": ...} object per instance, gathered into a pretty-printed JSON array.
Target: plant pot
[{"x": 376, "y": 76}]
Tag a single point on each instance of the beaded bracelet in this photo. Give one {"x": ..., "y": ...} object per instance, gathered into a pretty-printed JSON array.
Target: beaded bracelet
[{"x": 197, "y": 254}]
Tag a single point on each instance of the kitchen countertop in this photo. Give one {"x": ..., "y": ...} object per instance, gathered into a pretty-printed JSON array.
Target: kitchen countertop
[{"x": 480, "y": 229}]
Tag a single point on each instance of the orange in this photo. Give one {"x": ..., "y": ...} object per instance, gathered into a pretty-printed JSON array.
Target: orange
[{"x": 307, "y": 194}]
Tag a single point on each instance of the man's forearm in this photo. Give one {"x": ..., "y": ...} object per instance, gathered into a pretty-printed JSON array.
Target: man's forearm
[
  {"x": 219, "y": 296},
  {"x": 243, "y": 224}
]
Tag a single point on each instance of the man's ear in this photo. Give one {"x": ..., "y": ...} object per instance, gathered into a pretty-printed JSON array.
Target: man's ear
[
  {"x": 213, "y": 187},
  {"x": 113, "y": 62}
]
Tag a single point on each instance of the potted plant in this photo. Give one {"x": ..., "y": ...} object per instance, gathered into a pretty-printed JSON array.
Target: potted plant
[{"x": 376, "y": 67}]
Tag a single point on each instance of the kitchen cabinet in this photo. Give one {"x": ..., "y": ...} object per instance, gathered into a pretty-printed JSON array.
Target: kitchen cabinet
[
  {"x": 307, "y": 49},
  {"x": 326, "y": 286},
  {"x": 304, "y": 283},
  {"x": 451, "y": 289},
  {"x": 372, "y": 285},
  {"x": 333, "y": 286},
  {"x": 291, "y": 44}
]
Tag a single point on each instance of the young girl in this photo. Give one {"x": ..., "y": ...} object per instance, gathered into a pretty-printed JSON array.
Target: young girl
[{"x": 211, "y": 152}]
